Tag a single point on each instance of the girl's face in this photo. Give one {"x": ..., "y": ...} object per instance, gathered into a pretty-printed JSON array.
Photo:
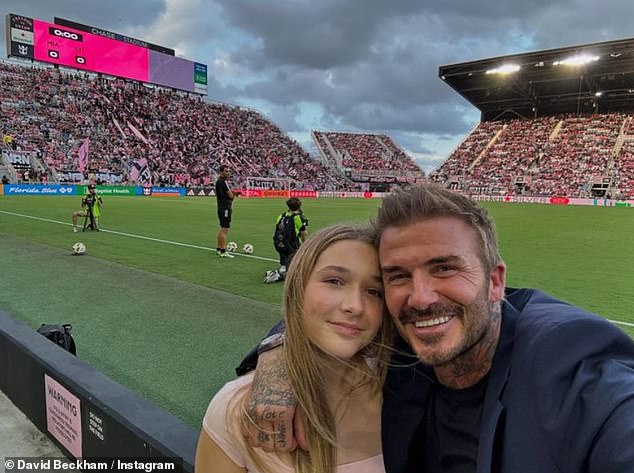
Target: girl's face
[{"x": 343, "y": 299}]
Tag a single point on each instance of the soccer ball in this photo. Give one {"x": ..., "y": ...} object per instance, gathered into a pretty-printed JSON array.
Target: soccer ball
[
  {"x": 232, "y": 246},
  {"x": 79, "y": 248},
  {"x": 247, "y": 248}
]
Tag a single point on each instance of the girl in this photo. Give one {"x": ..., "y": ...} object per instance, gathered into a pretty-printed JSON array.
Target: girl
[{"x": 336, "y": 349}]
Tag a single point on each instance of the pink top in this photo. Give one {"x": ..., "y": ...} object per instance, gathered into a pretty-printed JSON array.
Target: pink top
[{"x": 232, "y": 443}]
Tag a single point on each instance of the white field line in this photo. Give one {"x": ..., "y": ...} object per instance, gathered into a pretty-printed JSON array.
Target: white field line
[
  {"x": 618, "y": 322},
  {"x": 187, "y": 245},
  {"x": 140, "y": 237}
]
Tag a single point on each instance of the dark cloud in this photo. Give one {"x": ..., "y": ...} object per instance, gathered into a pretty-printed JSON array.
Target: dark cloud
[{"x": 312, "y": 34}]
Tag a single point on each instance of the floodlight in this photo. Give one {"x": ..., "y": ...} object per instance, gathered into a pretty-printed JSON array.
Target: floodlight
[
  {"x": 504, "y": 69},
  {"x": 598, "y": 94},
  {"x": 579, "y": 60}
]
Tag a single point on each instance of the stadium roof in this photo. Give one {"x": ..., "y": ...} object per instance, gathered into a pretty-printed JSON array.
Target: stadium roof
[{"x": 542, "y": 87}]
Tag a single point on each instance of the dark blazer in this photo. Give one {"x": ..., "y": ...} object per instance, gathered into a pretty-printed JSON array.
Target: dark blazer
[{"x": 560, "y": 395}]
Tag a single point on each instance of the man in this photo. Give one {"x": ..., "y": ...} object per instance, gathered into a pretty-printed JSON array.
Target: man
[
  {"x": 481, "y": 380},
  {"x": 224, "y": 201},
  {"x": 290, "y": 232},
  {"x": 91, "y": 209}
]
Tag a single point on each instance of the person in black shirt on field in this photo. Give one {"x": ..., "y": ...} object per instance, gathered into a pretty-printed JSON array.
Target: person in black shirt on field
[{"x": 224, "y": 199}]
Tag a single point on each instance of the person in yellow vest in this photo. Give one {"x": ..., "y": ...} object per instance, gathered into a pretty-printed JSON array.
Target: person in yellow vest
[{"x": 90, "y": 209}]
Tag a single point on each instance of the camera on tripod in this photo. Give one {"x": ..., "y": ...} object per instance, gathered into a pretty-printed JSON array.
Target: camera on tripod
[{"x": 89, "y": 200}]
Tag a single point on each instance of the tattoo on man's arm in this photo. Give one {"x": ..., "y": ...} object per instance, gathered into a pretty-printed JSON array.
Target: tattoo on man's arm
[{"x": 263, "y": 436}]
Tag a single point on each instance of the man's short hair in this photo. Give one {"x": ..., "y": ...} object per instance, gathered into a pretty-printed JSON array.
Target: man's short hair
[
  {"x": 416, "y": 203},
  {"x": 223, "y": 167},
  {"x": 294, "y": 204}
]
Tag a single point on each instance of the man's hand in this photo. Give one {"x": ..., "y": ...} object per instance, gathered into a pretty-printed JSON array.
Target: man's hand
[{"x": 271, "y": 406}]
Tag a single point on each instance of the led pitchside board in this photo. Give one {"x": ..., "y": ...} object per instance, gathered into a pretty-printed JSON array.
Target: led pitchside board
[{"x": 72, "y": 47}]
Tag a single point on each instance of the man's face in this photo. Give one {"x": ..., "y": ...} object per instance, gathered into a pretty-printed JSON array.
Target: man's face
[
  {"x": 436, "y": 288},
  {"x": 226, "y": 173}
]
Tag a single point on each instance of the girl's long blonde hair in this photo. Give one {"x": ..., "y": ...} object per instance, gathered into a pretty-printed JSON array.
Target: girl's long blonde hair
[{"x": 306, "y": 373}]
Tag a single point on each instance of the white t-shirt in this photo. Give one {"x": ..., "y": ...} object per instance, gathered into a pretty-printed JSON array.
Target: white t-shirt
[{"x": 232, "y": 443}]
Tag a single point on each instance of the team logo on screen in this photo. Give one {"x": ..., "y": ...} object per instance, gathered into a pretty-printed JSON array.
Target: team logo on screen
[{"x": 60, "y": 33}]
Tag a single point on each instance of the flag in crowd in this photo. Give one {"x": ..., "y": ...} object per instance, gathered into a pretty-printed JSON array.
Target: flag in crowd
[
  {"x": 140, "y": 172},
  {"x": 82, "y": 155},
  {"x": 137, "y": 133},
  {"x": 116, "y": 123}
]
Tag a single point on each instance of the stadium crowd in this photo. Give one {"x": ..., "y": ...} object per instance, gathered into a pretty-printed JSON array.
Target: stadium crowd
[
  {"x": 361, "y": 152},
  {"x": 180, "y": 137},
  {"x": 556, "y": 155}
]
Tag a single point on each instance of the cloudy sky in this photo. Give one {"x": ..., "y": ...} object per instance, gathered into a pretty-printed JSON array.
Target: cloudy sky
[{"x": 349, "y": 65}]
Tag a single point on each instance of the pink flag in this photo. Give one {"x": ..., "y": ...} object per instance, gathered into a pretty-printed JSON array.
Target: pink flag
[
  {"x": 137, "y": 133},
  {"x": 116, "y": 123},
  {"x": 82, "y": 155}
]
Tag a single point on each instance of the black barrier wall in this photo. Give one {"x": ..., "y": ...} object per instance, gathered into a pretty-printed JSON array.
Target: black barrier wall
[{"x": 80, "y": 408}]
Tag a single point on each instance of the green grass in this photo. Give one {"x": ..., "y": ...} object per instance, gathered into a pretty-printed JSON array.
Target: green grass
[
  {"x": 191, "y": 221},
  {"x": 172, "y": 321}
]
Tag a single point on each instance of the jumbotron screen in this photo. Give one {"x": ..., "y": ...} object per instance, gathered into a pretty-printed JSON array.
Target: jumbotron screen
[{"x": 71, "y": 47}]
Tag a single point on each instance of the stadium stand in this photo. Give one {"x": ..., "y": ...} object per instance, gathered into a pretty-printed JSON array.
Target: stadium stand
[
  {"x": 557, "y": 123},
  {"x": 566, "y": 155},
  {"x": 366, "y": 157},
  {"x": 47, "y": 113},
  {"x": 361, "y": 151}
]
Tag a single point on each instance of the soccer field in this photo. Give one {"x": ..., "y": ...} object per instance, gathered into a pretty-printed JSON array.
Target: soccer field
[{"x": 154, "y": 308}]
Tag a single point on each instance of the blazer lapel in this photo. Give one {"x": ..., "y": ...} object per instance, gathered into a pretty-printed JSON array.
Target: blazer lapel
[
  {"x": 405, "y": 398},
  {"x": 493, "y": 409}
]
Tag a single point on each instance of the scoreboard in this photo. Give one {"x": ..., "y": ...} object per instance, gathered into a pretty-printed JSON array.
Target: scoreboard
[{"x": 105, "y": 53}]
